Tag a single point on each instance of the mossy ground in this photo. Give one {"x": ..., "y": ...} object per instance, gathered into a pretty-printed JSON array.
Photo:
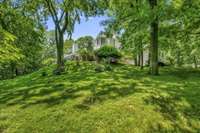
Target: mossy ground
[{"x": 124, "y": 100}]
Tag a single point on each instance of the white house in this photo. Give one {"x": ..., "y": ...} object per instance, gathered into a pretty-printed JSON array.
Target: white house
[
  {"x": 100, "y": 41},
  {"x": 104, "y": 40}
]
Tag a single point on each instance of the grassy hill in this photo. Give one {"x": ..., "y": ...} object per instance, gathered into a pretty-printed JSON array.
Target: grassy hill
[{"x": 125, "y": 100}]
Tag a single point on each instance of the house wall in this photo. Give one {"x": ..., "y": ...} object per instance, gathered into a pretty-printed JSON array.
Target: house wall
[{"x": 103, "y": 41}]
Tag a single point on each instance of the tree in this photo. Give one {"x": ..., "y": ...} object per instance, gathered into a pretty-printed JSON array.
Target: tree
[
  {"x": 68, "y": 46},
  {"x": 85, "y": 43},
  {"x": 65, "y": 13},
  {"x": 28, "y": 36},
  {"x": 136, "y": 16},
  {"x": 9, "y": 52},
  {"x": 164, "y": 20},
  {"x": 154, "y": 40},
  {"x": 49, "y": 48}
]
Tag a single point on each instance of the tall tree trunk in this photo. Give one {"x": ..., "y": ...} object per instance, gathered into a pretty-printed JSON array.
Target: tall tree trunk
[
  {"x": 149, "y": 57},
  {"x": 16, "y": 71},
  {"x": 12, "y": 66},
  {"x": 136, "y": 62},
  {"x": 179, "y": 62},
  {"x": 141, "y": 59},
  {"x": 139, "y": 56},
  {"x": 195, "y": 62},
  {"x": 154, "y": 42},
  {"x": 60, "y": 52}
]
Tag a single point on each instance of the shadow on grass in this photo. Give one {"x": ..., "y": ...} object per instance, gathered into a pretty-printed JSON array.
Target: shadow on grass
[
  {"x": 177, "y": 99},
  {"x": 102, "y": 92},
  {"x": 52, "y": 90},
  {"x": 174, "y": 93}
]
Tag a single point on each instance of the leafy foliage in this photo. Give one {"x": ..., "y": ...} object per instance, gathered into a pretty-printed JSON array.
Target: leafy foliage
[
  {"x": 85, "y": 43},
  {"x": 8, "y": 51},
  {"x": 68, "y": 46},
  {"x": 26, "y": 36},
  {"x": 108, "y": 51},
  {"x": 86, "y": 55},
  {"x": 178, "y": 28}
]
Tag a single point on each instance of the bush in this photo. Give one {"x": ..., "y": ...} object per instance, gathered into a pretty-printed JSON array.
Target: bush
[
  {"x": 108, "y": 68},
  {"x": 48, "y": 61},
  {"x": 100, "y": 68},
  {"x": 57, "y": 72},
  {"x": 87, "y": 55},
  {"x": 108, "y": 53}
]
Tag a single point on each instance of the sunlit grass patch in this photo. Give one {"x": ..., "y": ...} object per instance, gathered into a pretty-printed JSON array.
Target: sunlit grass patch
[{"x": 125, "y": 99}]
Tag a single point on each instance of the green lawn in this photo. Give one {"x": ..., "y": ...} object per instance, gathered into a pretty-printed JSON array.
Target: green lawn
[{"x": 125, "y": 100}]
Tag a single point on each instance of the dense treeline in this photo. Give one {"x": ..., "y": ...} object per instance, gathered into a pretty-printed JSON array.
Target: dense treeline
[
  {"x": 168, "y": 29},
  {"x": 23, "y": 23},
  {"x": 20, "y": 31}
]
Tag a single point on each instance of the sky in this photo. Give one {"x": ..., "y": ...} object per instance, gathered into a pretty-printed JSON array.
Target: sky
[{"x": 89, "y": 27}]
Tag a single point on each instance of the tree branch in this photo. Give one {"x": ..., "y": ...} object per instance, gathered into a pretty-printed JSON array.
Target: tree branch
[
  {"x": 53, "y": 13},
  {"x": 61, "y": 17},
  {"x": 54, "y": 10},
  {"x": 65, "y": 23}
]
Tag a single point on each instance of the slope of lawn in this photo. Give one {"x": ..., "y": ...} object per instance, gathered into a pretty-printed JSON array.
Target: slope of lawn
[{"x": 125, "y": 100}]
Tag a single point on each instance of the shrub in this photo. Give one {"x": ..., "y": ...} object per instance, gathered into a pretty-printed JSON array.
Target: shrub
[
  {"x": 100, "y": 68},
  {"x": 49, "y": 61},
  {"x": 108, "y": 68},
  {"x": 57, "y": 72},
  {"x": 87, "y": 55},
  {"x": 108, "y": 53}
]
